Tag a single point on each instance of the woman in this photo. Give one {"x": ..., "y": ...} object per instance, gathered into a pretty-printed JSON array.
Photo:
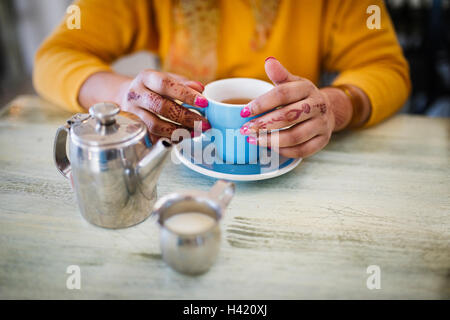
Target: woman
[{"x": 202, "y": 40}]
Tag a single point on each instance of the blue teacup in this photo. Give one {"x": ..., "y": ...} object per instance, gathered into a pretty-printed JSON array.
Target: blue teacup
[{"x": 225, "y": 118}]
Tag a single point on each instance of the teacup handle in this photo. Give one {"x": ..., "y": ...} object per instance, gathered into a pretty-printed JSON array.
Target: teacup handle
[
  {"x": 222, "y": 192},
  {"x": 201, "y": 110}
]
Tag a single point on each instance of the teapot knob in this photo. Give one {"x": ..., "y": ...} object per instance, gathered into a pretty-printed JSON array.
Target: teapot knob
[{"x": 104, "y": 112}]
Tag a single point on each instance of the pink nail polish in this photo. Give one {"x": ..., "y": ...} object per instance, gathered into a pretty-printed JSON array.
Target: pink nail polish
[
  {"x": 244, "y": 130},
  {"x": 245, "y": 112},
  {"x": 205, "y": 126},
  {"x": 251, "y": 140},
  {"x": 201, "y": 102},
  {"x": 268, "y": 58}
]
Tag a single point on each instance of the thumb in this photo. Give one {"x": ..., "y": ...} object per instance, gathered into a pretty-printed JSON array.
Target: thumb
[{"x": 277, "y": 73}]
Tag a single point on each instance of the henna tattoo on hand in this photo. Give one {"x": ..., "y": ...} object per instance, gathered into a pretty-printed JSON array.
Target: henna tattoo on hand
[
  {"x": 289, "y": 116},
  {"x": 182, "y": 115},
  {"x": 173, "y": 113},
  {"x": 190, "y": 117},
  {"x": 322, "y": 107},
  {"x": 154, "y": 102},
  {"x": 132, "y": 95},
  {"x": 295, "y": 114}
]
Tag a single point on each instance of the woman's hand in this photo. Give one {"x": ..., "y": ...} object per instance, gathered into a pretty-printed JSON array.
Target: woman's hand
[
  {"x": 305, "y": 109},
  {"x": 150, "y": 95}
]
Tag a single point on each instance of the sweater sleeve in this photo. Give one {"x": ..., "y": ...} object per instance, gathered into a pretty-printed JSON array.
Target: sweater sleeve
[
  {"x": 108, "y": 30},
  {"x": 370, "y": 59}
]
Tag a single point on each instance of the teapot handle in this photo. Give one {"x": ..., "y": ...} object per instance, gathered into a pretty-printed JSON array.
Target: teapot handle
[
  {"x": 59, "y": 151},
  {"x": 222, "y": 192}
]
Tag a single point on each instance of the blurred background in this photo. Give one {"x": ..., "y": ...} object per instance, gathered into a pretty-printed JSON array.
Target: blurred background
[{"x": 422, "y": 27}]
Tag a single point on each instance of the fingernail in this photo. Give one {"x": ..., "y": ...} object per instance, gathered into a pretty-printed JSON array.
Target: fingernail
[
  {"x": 201, "y": 102},
  {"x": 268, "y": 58},
  {"x": 244, "y": 130},
  {"x": 245, "y": 112},
  {"x": 205, "y": 126},
  {"x": 251, "y": 140}
]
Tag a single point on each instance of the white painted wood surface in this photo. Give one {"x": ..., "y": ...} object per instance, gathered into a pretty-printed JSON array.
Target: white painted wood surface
[{"x": 373, "y": 197}]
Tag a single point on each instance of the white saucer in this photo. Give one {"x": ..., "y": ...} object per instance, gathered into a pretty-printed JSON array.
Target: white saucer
[{"x": 233, "y": 172}]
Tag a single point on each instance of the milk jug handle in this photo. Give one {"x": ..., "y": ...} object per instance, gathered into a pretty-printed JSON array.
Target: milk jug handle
[
  {"x": 222, "y": 192},
  {"x": 59, "y": 151}
]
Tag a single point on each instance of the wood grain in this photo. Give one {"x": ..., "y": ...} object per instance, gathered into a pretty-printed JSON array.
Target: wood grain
[{"x": 374, "y": 197}]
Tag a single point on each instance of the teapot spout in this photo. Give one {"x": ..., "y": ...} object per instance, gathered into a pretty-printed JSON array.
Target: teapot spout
[{"x": 149, "y": 168}]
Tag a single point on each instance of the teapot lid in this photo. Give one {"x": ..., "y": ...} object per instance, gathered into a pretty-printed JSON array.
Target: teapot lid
[{"x": 104, "y": 126}]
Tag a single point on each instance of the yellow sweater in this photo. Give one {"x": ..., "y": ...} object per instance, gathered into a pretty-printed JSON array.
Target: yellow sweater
[{"x": 307, "y": 36}]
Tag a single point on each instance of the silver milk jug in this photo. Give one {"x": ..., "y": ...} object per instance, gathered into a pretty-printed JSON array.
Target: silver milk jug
[
  {"x": 113, "y": 167},
  {"x": 188, "y": 252}
]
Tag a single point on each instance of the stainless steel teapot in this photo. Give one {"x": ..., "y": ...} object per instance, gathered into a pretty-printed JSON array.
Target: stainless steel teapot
[{"x": 113, "y": 167}]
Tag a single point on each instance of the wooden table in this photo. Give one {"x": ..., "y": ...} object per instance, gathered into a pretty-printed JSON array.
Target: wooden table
[{"x": 374, "y": 197}]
